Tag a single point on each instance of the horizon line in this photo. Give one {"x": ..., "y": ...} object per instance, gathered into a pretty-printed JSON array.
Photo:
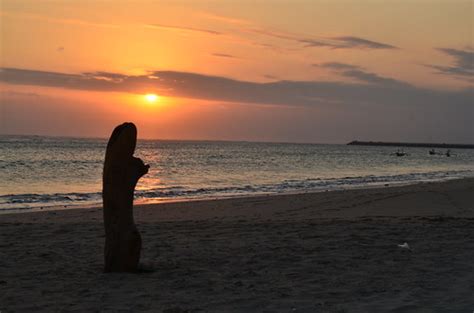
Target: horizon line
[
  {"x": 235, "y": 140},
  {"x": 168, "y": 139}
]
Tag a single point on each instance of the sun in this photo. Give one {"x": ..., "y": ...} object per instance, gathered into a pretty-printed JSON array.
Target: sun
[{"x": 151, "y": 98}]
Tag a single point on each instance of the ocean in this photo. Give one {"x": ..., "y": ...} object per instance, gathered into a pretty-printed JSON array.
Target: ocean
[{"x": 51, "y": 172}]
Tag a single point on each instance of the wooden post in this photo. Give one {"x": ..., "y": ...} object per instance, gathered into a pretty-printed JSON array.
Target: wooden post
[{"x": 121, "y": 174}]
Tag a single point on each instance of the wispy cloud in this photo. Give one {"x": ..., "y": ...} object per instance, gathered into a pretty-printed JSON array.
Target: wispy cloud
[
  {"x": 247, "y": 26},
  {"x": 342, "y": 42},
  {"x": 272, "y": 77},
  {"x": 339, "y": 42},
  {"x": 70, "y": 21},
  {"x": 107, "y": 76},
  {"x": 273, "y": 33},
  {"x": 184, "y": 28},
  {"x": 225, "y": 55},
  {"x": 360, "y": 74},
  {"x": 225, "y": 19},
  {"x": 336, "y": 66},
  {"x": 463, "y": 67},
  {"x": 13, "y": 93},
  {"x": 347, "y": 42},
  {"x": 373, "y": 78}
]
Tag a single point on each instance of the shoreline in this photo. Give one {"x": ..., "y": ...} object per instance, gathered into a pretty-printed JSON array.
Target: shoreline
[
  {"x": 152, "y": 202},
  {"x": 266, "y": 199}
]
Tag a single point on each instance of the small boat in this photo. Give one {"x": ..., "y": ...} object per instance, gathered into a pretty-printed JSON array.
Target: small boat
[
  {"x": 400, "y": 153},
  {"x": 432, "y": 152}
]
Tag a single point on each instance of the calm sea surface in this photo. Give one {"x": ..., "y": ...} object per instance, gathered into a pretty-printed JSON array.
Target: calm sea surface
[{"x": 41, "y": 172}]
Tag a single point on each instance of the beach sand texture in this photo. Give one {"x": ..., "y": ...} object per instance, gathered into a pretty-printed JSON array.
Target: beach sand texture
[{"x": 315, "y": 252}]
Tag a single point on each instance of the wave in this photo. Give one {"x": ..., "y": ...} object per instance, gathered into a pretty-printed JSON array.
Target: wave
[{"x": 32, "y": 201}]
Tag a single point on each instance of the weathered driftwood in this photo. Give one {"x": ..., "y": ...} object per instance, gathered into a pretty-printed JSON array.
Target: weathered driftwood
[{"x": 121, "y": 174}]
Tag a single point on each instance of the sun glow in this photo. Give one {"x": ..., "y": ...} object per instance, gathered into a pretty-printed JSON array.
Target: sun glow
[{"x": 151, "y": 98}]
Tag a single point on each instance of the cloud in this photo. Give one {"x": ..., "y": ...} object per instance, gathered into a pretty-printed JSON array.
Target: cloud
[
  {"x": 12, "y": 93},
  {"x": 379, "y": 91},
  {"x": 463, "y": 67},
  {"x": 269, "y": 76},
  {"x": 373, "y": 78},
  {"x": 356, "y": 42},
  {"x": 224, "y": 55},
  {"x": 342, "y": 42},
  {"x": 184, "y": 28},
  {"x": 273, "y": 33},
  {"x": 225, "y": 19},
  {"x": 360, "y": 74},
  {"x": 463, "y": 58},
  {"x": 337, "y": 66},
  {"x": 346, "y": 42},
  {"x": 70, "y": 21}
]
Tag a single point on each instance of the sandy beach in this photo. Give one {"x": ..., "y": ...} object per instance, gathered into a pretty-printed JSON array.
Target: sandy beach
[{"x": 314, "y": 252}]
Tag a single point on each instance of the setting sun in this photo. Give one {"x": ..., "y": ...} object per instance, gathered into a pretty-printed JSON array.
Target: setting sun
[{"x": 151, "y": 98}]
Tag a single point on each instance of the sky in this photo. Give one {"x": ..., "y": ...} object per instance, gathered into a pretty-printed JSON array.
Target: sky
[{"x": 288, "y": 71}]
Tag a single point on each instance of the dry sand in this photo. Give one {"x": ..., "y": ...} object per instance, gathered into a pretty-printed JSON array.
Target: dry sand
[{"x": 315, "y": 252}]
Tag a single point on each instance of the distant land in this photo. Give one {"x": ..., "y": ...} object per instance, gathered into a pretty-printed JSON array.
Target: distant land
[{"x": 411, "y": 144}]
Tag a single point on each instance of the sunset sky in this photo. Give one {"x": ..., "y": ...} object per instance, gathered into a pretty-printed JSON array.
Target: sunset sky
[{"x": 298, "y": 71}]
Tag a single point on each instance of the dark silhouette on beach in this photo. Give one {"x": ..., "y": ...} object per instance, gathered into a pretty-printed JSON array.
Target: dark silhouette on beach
[{"x": 121, "y": 173}]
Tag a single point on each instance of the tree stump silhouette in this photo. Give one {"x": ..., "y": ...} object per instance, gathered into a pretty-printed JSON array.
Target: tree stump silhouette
[{"x": 121, "y": 173}]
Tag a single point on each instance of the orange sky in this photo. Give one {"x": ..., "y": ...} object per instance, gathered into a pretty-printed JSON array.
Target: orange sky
[{"x": 331, "y": 57}]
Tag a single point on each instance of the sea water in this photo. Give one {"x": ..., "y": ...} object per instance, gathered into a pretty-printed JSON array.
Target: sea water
[{"x": 44, "y": 172}]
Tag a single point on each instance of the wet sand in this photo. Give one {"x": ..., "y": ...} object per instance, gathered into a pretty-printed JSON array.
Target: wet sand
[{"x": 315, "y": 252}]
